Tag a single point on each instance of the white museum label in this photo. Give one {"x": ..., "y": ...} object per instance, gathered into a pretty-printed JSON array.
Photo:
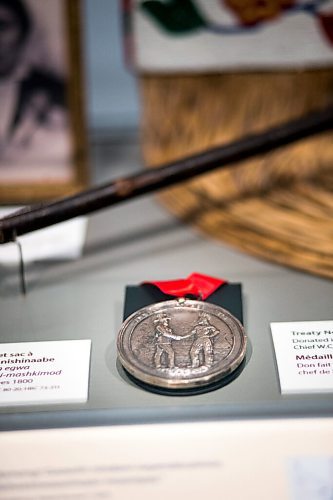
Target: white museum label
[
  {"x": 44, "y": 372},
  {"x": 304, "y": 354}
]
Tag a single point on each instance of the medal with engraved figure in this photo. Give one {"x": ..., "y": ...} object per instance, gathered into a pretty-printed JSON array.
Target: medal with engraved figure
[{"x": 181, "y": 343}]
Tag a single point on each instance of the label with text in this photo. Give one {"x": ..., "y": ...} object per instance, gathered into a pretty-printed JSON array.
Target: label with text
[
  {"x": 304, "y": 354},
  {"x": 44, "y": 372}
]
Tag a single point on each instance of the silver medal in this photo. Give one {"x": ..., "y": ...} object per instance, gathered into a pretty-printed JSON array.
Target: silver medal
[{"x": 181, "y": 344}]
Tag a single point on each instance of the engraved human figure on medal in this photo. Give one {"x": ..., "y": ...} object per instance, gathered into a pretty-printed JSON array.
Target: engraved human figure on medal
[
  {"x": 202, "y": 344},
  {"x": 163, "y": 342}
]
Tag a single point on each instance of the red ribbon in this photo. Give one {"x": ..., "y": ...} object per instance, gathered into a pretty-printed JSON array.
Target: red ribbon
[{"x": 198, "y": 285}]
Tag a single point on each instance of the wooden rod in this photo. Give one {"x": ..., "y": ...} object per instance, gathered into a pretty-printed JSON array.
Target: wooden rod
[{"x": 43, "y": 215}]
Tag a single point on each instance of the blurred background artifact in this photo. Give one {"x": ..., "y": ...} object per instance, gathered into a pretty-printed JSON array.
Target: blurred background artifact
[
  {"x": 41, "y": 126},
  {"x": 211, "y": 71}
]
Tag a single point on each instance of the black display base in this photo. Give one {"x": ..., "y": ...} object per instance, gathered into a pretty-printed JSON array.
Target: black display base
[{"x": 228, "y": 296}]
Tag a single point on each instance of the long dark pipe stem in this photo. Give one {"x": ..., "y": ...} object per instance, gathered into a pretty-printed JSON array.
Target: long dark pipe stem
[{"x": 42, "y": 215}]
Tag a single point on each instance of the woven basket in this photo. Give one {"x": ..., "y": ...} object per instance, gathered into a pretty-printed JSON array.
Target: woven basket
[{"x": 278, "y": 206}]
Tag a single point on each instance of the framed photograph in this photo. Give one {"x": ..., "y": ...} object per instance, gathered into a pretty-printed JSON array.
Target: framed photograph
[{"x": 42, "y": 132}]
